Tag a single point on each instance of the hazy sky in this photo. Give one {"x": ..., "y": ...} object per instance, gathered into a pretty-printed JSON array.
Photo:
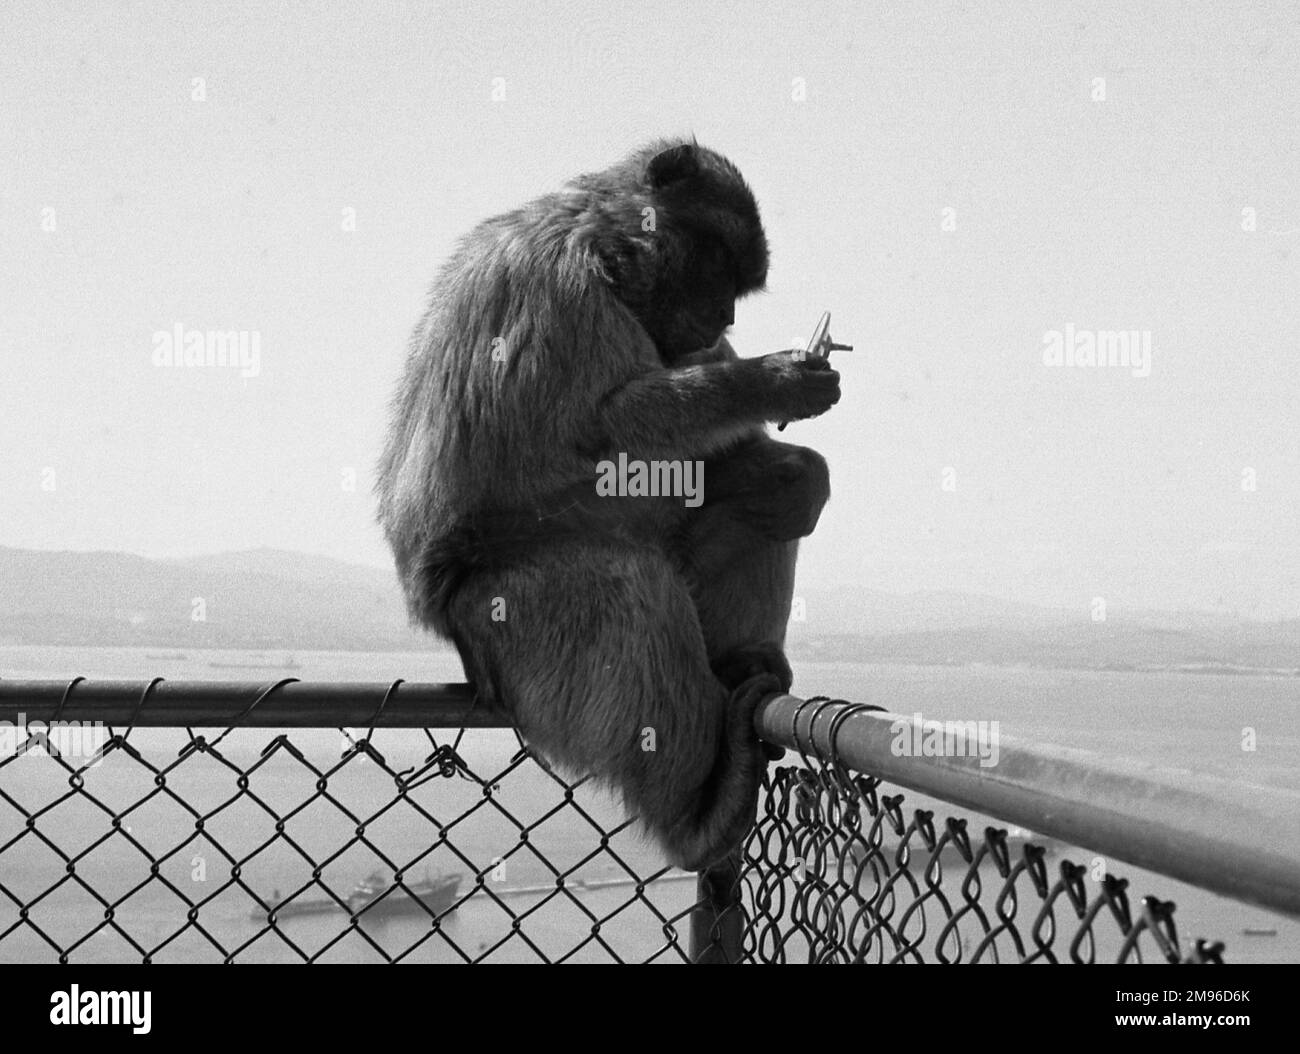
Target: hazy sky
[{"x": 857, "y": 124}]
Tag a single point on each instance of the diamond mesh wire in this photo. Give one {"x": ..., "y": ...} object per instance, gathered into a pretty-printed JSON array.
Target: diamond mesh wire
[
  {"x": 838, "y": 871},
  {"x": 455, "y": 845}
]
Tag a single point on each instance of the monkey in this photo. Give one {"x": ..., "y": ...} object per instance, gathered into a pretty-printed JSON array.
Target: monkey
[{"x": 629, "y": 637}]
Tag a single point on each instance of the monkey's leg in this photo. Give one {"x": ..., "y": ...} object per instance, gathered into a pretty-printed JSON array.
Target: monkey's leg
[
  {"x": 596, "y": 651},
  {"x": 776, "y": 489},
  {"x": 739, "y": 552}
]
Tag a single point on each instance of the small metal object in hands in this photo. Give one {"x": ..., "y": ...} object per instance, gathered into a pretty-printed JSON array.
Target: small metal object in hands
[{"x": 820, "y": 348}]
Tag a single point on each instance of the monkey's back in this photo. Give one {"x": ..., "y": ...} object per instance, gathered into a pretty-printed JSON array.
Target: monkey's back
[{"x": 498, "y": 408}]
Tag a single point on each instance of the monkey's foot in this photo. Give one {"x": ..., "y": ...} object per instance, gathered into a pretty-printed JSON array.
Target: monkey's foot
[
  {"x": 745, "y": 700},
  {"x": 740, "y": 664}
]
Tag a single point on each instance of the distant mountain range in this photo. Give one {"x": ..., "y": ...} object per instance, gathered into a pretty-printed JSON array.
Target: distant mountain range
[
  {"x": 929, "y": 628},
  {"x": 262, "y": 598},
  {"x": 268, "y": 598}
]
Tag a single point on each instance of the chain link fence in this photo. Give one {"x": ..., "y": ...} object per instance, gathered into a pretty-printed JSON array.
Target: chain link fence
[
  {"x": 838, "y": 871},
  {"x": 154, "y": 842}
]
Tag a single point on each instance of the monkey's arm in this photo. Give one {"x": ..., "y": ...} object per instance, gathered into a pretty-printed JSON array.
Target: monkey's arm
[{"x": 691, "y": 411}]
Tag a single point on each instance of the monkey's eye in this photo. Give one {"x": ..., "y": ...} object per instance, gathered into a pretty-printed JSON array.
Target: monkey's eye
[
  {"x": 715, "y": 272},
  {"x": 712, "y": 256}
]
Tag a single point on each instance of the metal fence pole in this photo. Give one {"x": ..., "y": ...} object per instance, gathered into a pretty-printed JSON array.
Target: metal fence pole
[{"x": 717, "y": 921}]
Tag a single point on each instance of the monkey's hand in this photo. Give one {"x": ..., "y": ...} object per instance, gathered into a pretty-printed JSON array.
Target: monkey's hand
[{"x": 800, "y": 387}]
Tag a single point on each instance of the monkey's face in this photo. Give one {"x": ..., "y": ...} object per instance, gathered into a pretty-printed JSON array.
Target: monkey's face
[
  {"x": 693, "y": 299},
  {"x": 696, "y": 274},
  {"x": 682, "y": 276}
]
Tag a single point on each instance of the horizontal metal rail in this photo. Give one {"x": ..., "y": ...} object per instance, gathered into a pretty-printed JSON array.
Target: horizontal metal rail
[
  {"x": 1240, "y": 840},
  {"x": 276, "y": 704}
]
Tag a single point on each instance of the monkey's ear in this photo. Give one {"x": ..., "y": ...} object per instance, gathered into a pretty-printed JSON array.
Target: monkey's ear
[{"x": 671, "y": 165}]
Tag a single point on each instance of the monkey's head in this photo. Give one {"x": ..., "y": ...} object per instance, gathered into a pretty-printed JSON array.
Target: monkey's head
[{"x": 677, "y": 232}]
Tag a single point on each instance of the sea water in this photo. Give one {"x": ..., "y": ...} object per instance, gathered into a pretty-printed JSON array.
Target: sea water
[{"x": 454, "y": 824}]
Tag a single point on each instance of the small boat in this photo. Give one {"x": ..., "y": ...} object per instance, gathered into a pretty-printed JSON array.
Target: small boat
[
  {"x": 376, "y": 897},
  {"x": 170, "y": 656},
  {"x": 290, "y": 663}
]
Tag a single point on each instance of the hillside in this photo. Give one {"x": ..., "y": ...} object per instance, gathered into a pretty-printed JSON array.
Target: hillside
[
  {"x": 267, "y": 598},
  {"x": 257, "y": 599}
]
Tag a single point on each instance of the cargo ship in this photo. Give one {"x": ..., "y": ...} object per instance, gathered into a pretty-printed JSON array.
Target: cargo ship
[
  {"x": 436, "y": 894},
  {"x": 431, "y": 896}
]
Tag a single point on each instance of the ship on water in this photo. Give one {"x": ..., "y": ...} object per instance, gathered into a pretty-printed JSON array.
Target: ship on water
[
  {"x": 374, "y": 896},
  {"x": 435, "y": 894},
  {"x": 288, "y": 663}
]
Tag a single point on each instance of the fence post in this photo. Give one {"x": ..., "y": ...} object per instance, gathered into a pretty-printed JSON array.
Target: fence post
[{"x": 717, "y": 920}]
